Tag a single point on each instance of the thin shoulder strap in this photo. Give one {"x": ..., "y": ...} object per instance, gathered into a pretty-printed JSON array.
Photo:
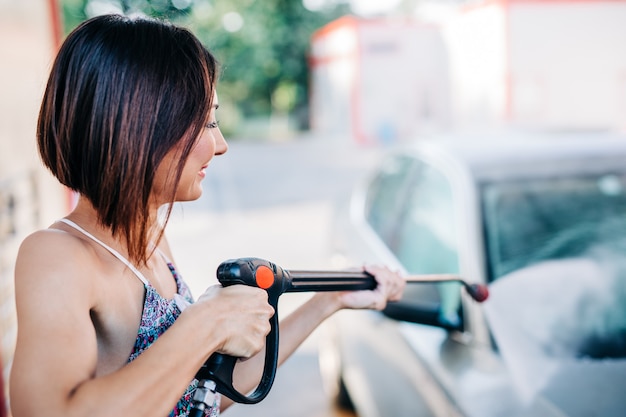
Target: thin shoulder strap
[{"x": 110, "y": 249}]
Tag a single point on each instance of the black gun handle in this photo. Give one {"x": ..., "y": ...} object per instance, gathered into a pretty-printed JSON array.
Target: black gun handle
[{"x": 219, "y": 368}]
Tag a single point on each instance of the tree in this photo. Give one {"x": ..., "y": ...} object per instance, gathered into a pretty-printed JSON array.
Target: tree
[{"x": 261, "y": 45}]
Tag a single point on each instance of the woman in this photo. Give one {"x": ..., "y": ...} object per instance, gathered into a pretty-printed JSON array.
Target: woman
[{"x": 106, "y": 326}]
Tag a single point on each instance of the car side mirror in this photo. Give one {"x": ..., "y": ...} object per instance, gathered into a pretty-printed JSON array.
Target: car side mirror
[{"x": 423, "y": 313}]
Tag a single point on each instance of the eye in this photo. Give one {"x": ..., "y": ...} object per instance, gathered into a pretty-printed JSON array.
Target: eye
[{"x": 212, "y": 125}]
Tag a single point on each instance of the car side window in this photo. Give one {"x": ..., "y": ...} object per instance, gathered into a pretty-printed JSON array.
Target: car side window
[
  {"x": 426, "y": 236},
  {"x": 411, "y": 208},
  {"x": 427, "y": 239},
  {"x": 386, "y": 195}
]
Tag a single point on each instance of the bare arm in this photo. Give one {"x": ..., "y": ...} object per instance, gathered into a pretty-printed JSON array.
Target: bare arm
[{"x": 56, "y": 357}]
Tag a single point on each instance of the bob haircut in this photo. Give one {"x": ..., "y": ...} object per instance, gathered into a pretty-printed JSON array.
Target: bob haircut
[{"x": 121, "y": 94}]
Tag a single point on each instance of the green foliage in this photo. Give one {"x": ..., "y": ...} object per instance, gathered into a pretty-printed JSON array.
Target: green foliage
[{"x": 261, "y": 44}]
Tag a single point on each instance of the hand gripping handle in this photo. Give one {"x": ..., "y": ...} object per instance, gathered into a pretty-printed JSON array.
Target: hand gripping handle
[{"x": 219, "y": 367}]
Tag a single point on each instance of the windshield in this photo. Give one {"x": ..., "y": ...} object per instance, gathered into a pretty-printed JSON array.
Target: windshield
[
  {"x": 558, "y": 247},
  {"x": 556, "y": 256},
  {"x": 528, "y": 221}
]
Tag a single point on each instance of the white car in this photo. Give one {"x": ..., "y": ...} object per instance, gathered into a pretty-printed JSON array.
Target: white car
[{"x": 540, "y": 219}]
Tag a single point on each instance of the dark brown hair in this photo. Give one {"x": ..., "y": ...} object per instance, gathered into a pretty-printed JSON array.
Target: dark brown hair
[{"x": 121, "y": 94}]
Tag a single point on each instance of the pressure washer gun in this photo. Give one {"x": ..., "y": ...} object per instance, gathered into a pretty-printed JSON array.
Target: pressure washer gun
[{"x": 216, "y": 375}]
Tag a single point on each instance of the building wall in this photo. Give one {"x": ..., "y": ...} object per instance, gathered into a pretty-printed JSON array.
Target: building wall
[
  {"x": 403, "y": 88},
  {"x": 568, "y": 64},
  {"x": 492, "y": 64},
  {"x": 549, "y": 65},
  {"x": 378, "y": 81},
  {"x": 476, "y": 43},
  {"x": 333, "y": 60}
]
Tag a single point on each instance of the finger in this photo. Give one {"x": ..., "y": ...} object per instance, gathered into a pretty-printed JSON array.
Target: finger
[{"x": 390, "y": 283}]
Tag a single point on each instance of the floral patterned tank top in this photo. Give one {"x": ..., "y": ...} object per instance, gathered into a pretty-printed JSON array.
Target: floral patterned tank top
[{"x": 158, "y": 315}]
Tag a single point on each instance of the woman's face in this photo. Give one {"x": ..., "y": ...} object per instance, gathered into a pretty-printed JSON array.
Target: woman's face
[{"x": 210, "y": 143}]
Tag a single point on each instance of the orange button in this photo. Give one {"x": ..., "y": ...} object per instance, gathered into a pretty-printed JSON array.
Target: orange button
[{"x": 264, "y": 277}]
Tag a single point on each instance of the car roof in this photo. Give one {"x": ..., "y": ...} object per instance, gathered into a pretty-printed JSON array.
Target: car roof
[{"x": 525, "y": 154}]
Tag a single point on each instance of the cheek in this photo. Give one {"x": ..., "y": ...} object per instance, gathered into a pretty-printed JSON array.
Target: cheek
[
  {"x": 200, "y": 155},
  {"x": 163, "y": 183},
  {"x": 204, "y": 149}
]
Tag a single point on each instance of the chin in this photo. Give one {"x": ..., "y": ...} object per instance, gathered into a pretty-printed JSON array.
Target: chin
[{"x": 190, "y": 195}]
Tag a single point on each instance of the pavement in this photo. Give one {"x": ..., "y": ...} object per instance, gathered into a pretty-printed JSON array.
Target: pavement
[{"x": 274, "y": 201}]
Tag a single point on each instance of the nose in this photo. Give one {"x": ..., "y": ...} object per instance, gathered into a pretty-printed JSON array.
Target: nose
[{"x": 220, "y": 143}]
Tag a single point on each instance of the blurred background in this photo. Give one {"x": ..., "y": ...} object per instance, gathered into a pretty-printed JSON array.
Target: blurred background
[{"x": 312, "y": 93}]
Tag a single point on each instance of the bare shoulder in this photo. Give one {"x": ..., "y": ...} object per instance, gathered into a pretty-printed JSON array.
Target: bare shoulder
[
  {"x": 54, "y": 248},
  {"x": 53, "y": 261},
  {"x": 50, "y": 239}
]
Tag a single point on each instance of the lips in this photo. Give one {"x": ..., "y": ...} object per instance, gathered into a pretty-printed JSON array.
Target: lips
[{"x": 202, "y": 171}]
